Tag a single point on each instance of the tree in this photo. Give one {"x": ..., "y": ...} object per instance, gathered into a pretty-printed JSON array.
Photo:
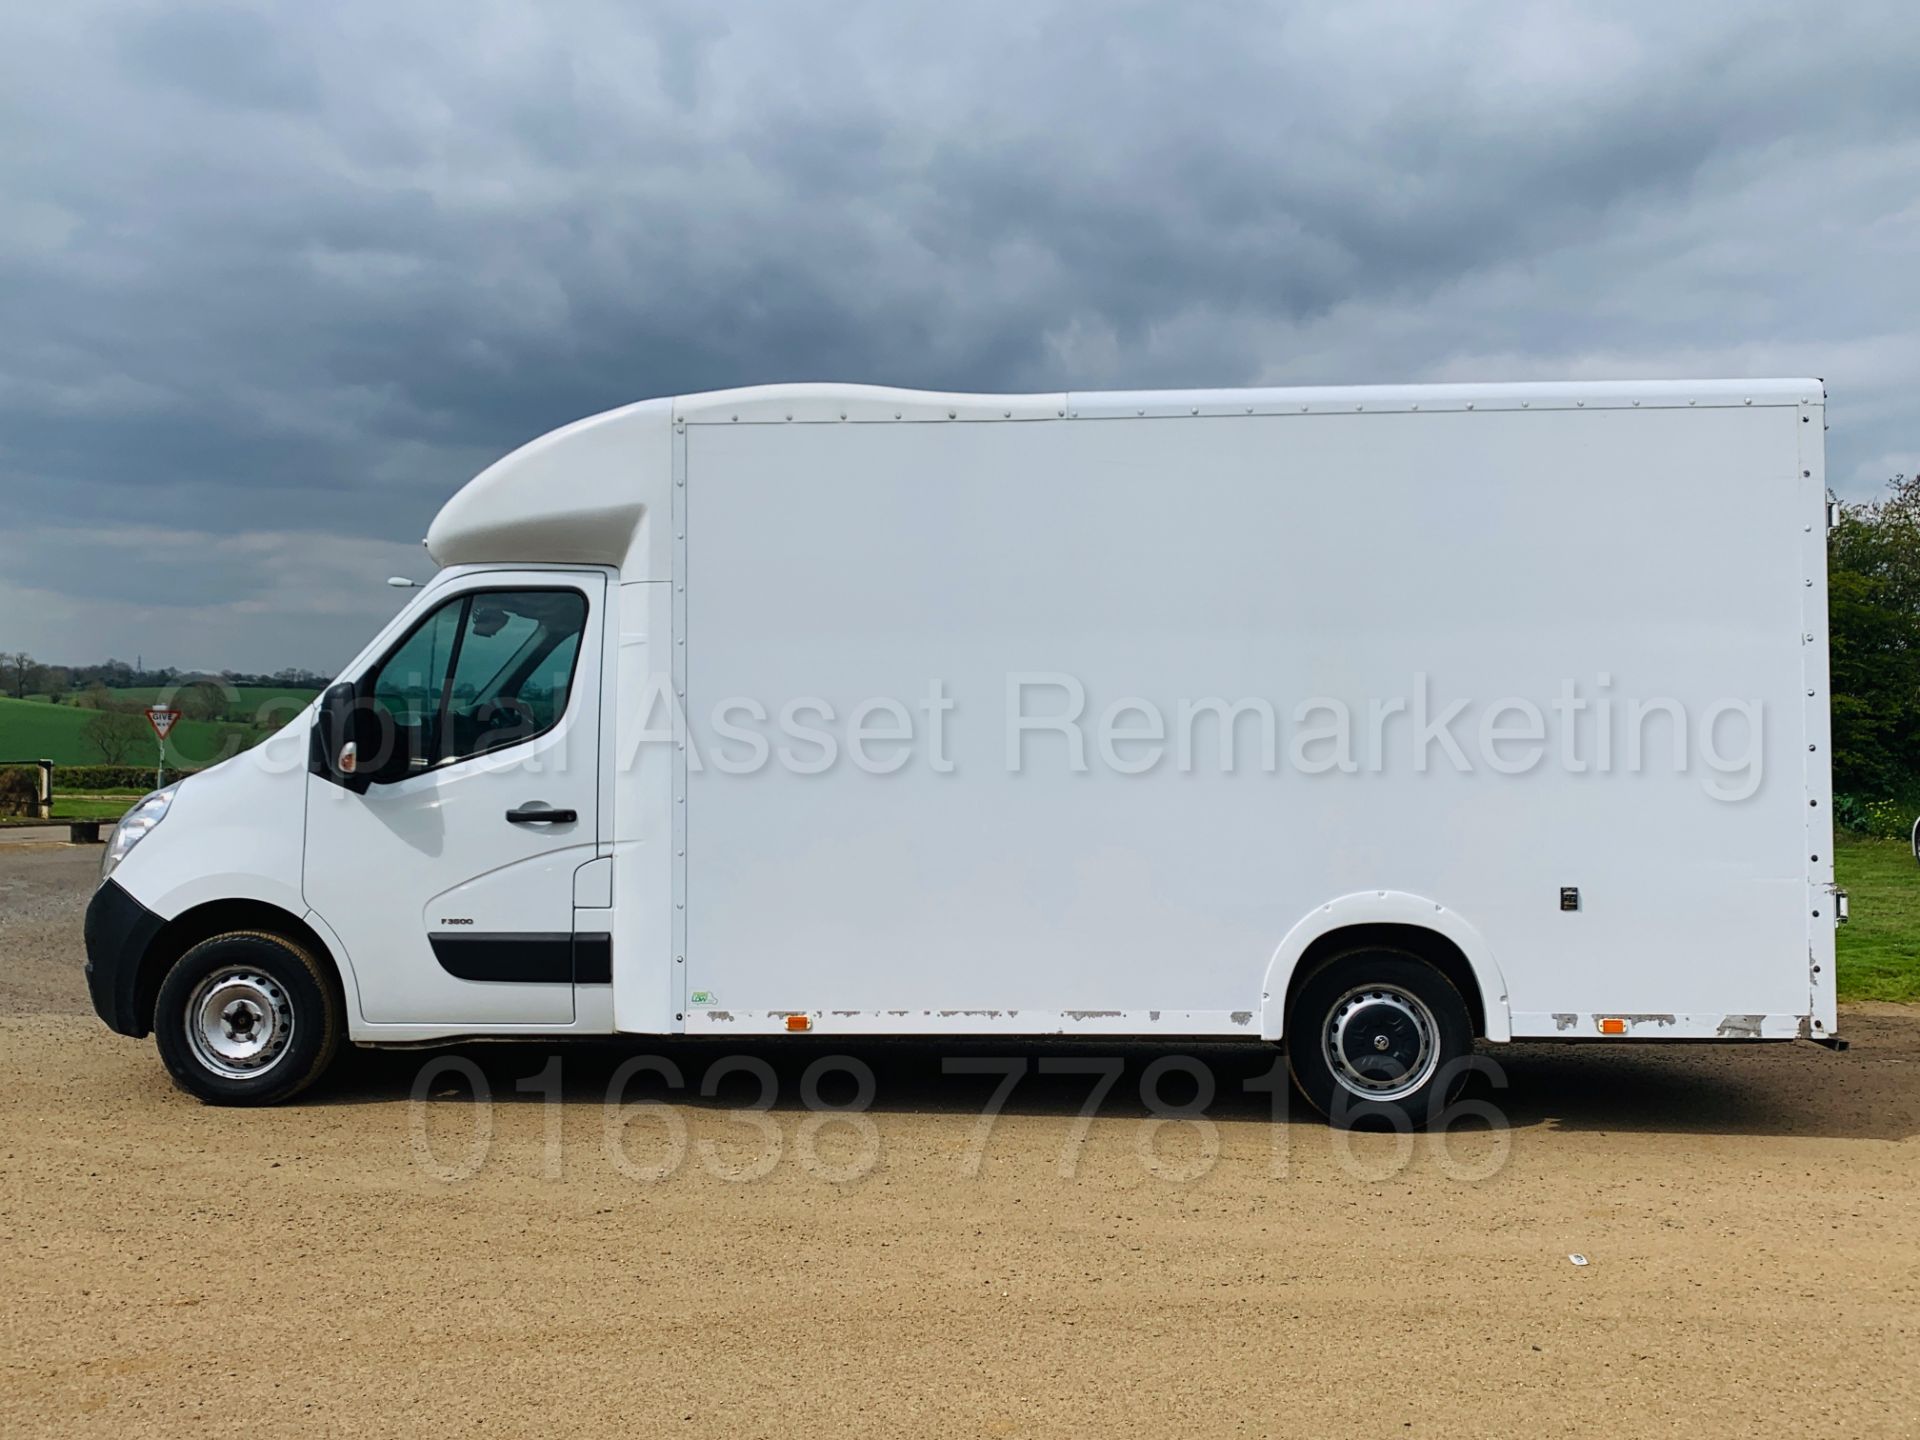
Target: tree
[
  {"x": 1873, "y": 590},
  {"x": 198, "y": 699},
  {"x": 114, "y": 733},
  {"x": 18, "y": 667}
]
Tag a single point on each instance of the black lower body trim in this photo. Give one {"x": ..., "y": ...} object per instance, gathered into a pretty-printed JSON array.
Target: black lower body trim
[
  {"x": 593, "y": 959},
  {"x": 512, "y": 957}
]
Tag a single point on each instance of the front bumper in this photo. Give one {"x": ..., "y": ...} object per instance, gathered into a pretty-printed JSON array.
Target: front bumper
[{"x": 119, "y": 930}]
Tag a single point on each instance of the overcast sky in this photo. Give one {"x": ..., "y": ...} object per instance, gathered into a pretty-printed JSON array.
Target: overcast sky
[{"x": 276, "y": 279}]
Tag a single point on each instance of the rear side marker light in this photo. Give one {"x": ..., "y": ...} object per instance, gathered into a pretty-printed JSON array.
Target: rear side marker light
[
  {"x": 1612, "y": 1025},
  {"x": 799, "y": 1022}
]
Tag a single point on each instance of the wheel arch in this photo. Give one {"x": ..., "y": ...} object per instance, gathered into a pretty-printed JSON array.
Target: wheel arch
[
  {"x": 1440, "y": 936},
  {"x": 217, "y": 917}
]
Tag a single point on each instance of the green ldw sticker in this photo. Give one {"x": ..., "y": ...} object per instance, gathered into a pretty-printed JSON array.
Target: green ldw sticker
[{"x": 701, "y": 997}]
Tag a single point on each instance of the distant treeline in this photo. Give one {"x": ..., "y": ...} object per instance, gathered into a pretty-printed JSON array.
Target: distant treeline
[{"x": 21, "y": 675}]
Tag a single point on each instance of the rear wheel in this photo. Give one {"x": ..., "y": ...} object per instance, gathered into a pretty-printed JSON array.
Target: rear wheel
[
  {"x": 246, "y": 1018},
  {"x": 1377, "y": 1036}
]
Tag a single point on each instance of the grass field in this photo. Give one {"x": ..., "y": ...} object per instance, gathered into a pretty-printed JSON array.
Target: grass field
[
  {"x": 276, "y": 702},
  {"x": 75, "y": 807},
  {"x": 91, "y": 807},
  {"x": 1880, "y": 945},
  {"x": 37, "y": 730}
]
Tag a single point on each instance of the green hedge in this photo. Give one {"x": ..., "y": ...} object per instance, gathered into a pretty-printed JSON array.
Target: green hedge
[{"x": 92, "y": 779}]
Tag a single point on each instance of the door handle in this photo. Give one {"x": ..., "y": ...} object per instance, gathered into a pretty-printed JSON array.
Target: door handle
[{"x": 540, "y": 815}]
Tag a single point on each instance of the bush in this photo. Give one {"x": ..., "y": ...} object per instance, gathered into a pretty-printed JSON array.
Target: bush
[
  {"x": 20, "y": 790},
  {"x": 93, "y": 779},
  {"x": 1881, "y": 819}
]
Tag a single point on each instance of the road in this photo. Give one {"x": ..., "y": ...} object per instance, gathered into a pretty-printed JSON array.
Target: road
[{"x": 368, "y": 1264}]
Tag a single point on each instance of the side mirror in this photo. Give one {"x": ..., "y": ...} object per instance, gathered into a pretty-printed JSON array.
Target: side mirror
[
  {"x": 334, "y": 752},
  {"x": 1916, "y": 839}
]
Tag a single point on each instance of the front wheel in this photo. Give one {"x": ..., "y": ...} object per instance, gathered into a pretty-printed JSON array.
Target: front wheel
[
  {"x": 246, "y": 1018},
  {"x": 1378, "y": 1036}
]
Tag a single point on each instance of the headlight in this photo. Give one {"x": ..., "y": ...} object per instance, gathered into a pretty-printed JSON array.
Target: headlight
[{"x": 133, "y": 827}]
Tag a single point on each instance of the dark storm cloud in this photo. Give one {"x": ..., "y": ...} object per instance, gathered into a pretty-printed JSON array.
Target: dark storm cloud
[{"x": 271, "y": 272}]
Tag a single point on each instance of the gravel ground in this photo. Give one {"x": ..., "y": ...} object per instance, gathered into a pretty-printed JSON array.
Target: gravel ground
[{"x": 1750, "y": 1215}]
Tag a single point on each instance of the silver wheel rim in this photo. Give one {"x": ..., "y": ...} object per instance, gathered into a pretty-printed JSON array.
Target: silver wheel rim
[
  {"x": 239, "y": 1022},
  {"x": 1381, "y": 1042}
]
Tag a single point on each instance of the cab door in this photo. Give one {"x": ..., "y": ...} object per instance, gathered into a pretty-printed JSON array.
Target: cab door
[{"x": 449, "y": 879}]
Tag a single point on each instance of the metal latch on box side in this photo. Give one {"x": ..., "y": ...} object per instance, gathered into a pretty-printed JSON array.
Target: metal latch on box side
[{"x": 1841, "y": 909}]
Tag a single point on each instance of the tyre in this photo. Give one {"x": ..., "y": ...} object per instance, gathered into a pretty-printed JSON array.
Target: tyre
[
  {"x": 1377, "y": 1037},
  {"x": 246, "y": 1018}
]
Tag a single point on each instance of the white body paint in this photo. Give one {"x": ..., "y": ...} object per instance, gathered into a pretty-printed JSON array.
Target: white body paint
[{"x": 844, "y": 544}]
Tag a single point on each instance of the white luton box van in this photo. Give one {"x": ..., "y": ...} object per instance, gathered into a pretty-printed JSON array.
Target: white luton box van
[{"x": 1372, "y": 721}]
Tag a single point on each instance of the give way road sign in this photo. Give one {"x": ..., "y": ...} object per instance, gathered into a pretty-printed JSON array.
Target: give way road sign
[{"x": 161, "y": 717}]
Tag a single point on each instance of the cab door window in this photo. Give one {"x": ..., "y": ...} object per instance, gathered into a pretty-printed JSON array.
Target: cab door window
[
  {"x": 514, "y": 668},
  {"x": 484, "y": 670}
]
